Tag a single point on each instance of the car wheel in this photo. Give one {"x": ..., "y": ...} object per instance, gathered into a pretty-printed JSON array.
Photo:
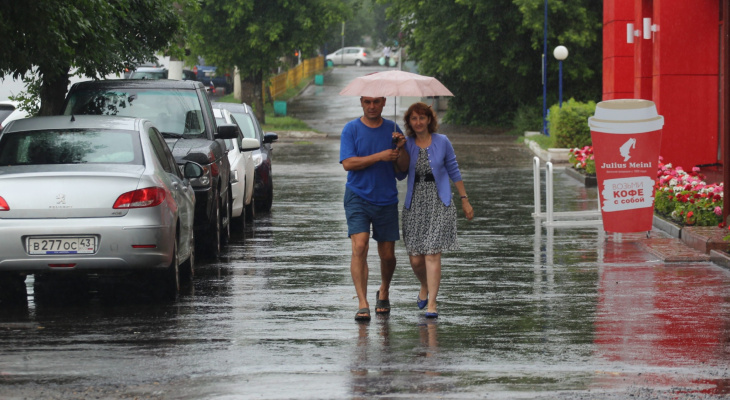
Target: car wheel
[
  {"x": 213, "y": 244},
  {"x": 187, "y": 268},
  {"x": 226, "y": 222},
  {"x": 358, "y": 63},
  {"x": 251, "y": 210}
]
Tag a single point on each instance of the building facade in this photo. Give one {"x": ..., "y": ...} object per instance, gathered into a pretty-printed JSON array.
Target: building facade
[{"x": 672, "y": 52}]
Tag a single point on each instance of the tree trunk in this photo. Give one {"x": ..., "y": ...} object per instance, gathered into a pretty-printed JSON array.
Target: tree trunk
[
  {"x": 259, "y": 97},
  {"x": 54, "y": 84}
]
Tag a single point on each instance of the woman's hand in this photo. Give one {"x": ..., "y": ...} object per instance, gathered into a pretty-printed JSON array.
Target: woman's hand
[{"x": 468, "y": 210}]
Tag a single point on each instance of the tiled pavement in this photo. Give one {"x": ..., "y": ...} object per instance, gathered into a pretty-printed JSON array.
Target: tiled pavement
[{"x": 672, "y": 243}]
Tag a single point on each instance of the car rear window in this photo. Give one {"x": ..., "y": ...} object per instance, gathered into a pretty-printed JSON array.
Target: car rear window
[
  {"x": 148, "y": 75},
  {"x": 171, "y": 111},
  {"x": 70, "y": 147}
]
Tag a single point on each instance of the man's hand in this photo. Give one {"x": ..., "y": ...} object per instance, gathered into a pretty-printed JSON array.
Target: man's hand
[{"x": 399, "y": 139}]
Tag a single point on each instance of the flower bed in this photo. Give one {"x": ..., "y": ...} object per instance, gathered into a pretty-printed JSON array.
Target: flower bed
[
  {"x": 685, "y": 197},
  {"x": 582, "y": 160}
]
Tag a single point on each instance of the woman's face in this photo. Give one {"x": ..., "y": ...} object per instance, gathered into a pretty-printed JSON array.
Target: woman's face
[{"x": 419, "y": 122}]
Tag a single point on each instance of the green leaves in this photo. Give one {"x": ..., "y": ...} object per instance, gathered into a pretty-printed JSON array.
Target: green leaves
[{"x": 489, "y": 53}]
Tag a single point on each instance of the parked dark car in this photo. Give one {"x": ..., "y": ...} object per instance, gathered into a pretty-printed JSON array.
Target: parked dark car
[
  {"x": 182, "y": 112},
  {"x": 207, "y": 74},
  {"x": 263, "y": 191}
]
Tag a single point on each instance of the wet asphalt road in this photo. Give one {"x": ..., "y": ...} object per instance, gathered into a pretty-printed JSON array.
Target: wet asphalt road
[{"x": 525, "y": 312}]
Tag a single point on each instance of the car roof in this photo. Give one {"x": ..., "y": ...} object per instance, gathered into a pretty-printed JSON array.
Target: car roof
[
  {"x": 137, "y": 84},
  {"x": 149, "y": 69},
  {"x": 233, "y": 107},
  {"x": 64, "y": 122}
]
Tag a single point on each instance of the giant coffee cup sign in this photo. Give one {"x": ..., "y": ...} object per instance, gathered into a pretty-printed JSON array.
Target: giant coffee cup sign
[{"x": 626, "y": 137}]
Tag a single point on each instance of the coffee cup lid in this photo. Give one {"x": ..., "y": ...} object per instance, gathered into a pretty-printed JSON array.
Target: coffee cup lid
[{"x": 626, "y": 116}]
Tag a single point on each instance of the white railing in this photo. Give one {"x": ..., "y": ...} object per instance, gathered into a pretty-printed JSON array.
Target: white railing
[{"x": 566, "y": 218}]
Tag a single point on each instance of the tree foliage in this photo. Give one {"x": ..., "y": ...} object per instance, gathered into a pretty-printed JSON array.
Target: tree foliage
[
  {"x": 365, "y": 25},
  {"x": 490, "y": 53},
  {"x": 48, "y": 38},
  {"x": 254, "y": 34}
]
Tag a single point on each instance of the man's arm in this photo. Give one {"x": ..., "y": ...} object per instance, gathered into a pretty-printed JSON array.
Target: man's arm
[{"x": 358, "y": 163}]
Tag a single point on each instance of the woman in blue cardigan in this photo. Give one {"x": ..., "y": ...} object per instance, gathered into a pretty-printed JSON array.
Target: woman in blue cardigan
[{"x": 429, "y": 215}]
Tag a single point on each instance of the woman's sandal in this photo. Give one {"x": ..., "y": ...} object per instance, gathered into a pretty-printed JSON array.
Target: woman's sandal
[
  {"x": 421, "y": 303},
  {"x": 381, "y": 306}
]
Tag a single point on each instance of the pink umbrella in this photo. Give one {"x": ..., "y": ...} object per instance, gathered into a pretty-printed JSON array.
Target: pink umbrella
[{"x": 395, "y": 83}]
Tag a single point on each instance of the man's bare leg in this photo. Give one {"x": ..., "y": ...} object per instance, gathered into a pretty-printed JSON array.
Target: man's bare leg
[
  {"x": 386, "y": 251},
  {"x": 359, "y": 266}
]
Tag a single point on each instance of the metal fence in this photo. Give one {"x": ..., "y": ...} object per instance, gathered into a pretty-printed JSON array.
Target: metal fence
[{"x": 293, "y": 77}]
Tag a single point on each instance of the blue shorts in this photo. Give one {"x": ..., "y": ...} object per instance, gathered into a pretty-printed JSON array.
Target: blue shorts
[{"x": 361, "y": 214}]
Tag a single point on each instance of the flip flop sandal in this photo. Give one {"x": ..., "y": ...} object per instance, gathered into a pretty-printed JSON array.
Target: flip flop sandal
[
  {"x": 381, "y": 306},
  {"x": 362, "y": 314}
]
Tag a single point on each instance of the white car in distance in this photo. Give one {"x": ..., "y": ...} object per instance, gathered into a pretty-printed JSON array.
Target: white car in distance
[{"x": 242, "y": 171}]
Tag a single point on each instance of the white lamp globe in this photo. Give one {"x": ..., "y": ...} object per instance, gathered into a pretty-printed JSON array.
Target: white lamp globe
[{"x": 560, "y": 53}]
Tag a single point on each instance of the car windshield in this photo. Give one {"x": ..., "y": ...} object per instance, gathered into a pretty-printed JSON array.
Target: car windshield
[
  {"x": 70, "y": 147},
  {"x": 245, "y": 122},
  {"x": 174, "y": 112}
]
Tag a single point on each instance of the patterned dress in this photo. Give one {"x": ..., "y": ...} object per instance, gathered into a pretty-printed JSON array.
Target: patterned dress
[{"x": 429, "y": 227}]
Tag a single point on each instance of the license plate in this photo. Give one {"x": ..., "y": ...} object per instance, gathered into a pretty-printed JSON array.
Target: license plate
[{"x": 61, "y": 245}]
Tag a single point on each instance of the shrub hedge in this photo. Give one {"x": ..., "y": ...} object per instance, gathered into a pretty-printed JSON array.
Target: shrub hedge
[{"x": 569, "y": 124}]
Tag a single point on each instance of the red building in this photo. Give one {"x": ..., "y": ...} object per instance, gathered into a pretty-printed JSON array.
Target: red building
[{"x": 674, "y": 53}]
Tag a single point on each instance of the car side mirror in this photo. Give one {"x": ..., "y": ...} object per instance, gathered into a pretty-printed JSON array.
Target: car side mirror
[
  {"x": 270, "y": 137},
  {"x": 250, "y": 144},
  {"x": 227, "y": 131},
  {"x": 192, "y": 170}
]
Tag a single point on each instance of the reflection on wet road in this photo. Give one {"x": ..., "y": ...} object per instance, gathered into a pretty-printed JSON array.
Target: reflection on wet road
[{"x": 524, "y": 312}]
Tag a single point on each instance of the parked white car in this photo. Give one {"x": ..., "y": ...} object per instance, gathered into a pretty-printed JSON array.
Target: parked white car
[
  {"x": 242, "y": 170},
  {"x": 358, "y": 56}
]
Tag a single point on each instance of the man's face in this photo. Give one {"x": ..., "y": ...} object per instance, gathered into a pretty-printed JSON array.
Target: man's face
[{"x": 372, "y": 107}]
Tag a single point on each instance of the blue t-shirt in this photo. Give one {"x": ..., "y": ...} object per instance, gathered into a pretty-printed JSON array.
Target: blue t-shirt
[{"x": 376, "y": 183}]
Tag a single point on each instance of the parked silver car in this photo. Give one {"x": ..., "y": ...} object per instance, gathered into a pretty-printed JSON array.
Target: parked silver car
[
  {"x": 94, "y": 194},
  {"x": 358, "y": 56}
]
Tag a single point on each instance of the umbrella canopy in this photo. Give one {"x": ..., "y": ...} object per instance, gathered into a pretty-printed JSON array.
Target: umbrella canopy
[{"x": 395, "y": 83}]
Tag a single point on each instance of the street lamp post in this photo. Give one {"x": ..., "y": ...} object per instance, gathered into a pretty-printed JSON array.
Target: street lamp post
[
  {"x": 560, "y": 53},
  {"x": 544, "y": 71}
]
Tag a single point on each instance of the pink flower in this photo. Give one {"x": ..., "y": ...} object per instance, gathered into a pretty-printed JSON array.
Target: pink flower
[{"x": 718, "y": 211}]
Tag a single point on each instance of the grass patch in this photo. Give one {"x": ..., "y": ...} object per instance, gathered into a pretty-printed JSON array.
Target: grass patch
[{"x": 545, "y": 142}]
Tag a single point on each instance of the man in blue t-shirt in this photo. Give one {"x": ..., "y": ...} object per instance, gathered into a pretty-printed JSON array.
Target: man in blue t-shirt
[{"x": 369, "y": 147}]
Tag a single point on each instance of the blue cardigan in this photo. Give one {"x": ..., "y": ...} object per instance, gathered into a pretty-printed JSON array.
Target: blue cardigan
[{"x": 442, "y": 158}]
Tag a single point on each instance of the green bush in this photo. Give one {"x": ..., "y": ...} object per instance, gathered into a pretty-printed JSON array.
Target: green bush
[
  {"x": 569, "y": 124},
  {"x": 526, "y": 119}
]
